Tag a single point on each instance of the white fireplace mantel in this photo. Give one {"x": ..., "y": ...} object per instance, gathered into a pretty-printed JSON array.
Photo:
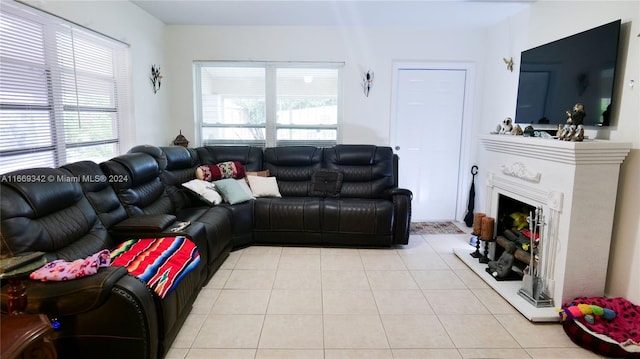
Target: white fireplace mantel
[
  {"x": 575, "y": 153},
  {"x": 576, "y": 185}
]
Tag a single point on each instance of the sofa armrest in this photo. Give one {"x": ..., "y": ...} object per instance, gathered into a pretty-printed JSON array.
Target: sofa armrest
[
  {"x": 401, "y": 198},
  {"x": 69, "y": 297},
  {"x": 144, "y": 224},
  {"x": 98, "y": 314},
  {"x": 401, "y": 192}
]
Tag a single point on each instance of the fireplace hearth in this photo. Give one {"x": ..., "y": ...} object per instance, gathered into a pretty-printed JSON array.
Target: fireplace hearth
[{"x": 574, "y": 186}]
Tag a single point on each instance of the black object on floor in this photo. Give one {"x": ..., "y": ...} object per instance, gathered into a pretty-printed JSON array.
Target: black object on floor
[{"x": 468, "y": 218}]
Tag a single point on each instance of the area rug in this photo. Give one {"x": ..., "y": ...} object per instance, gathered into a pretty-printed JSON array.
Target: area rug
[{"x": 445, "y": 227}]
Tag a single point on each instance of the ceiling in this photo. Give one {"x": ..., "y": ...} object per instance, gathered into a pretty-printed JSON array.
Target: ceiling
[{"x": 424, "y": 13}]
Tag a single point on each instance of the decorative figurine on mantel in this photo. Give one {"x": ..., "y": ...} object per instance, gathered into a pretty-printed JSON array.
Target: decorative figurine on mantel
[
  {"x": 517, "y": 130},
  {"x": 574, "y": 129},
  {"x": 181, "y": 140},
  {"x": 576, "y": 116},
  {"x": 505, "y": 127}
]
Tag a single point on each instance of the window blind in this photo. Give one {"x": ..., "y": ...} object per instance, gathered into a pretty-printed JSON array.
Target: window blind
[{"x": 63, "y": 91}]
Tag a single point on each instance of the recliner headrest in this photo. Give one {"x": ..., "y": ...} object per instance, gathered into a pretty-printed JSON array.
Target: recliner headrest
[
  {"x": 156, "y": 152},
  {"x": 89, "y": 173},
  {"x": 141, "y": 166},
  {"x": 293, "y": 155},
  {"x": 357, "y": 155},
  {"x": 178, "y": 158},
  {"x": 47, "y": 190}
]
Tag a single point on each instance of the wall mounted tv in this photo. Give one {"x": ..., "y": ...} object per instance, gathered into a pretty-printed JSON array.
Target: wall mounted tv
[{"x": 577, "y": 69}]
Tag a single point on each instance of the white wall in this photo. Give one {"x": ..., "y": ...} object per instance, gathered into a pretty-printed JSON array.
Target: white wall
[
  {"x": 365, "y": 119},
  {"x": 124, "y": 21},
  {"x": 547, "y": 21}
]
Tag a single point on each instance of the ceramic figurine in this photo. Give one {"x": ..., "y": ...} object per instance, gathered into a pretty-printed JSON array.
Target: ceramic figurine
[{"x": 577, "y": 115}]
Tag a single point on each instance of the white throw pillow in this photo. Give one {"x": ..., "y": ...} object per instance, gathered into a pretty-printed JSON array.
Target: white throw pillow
[
  {"x": 206, "y": 190},
  {"x": 264, "y": 186}
]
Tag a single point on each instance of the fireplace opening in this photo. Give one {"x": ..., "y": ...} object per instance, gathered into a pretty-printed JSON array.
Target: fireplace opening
[
  {"x": 512, "y": 236},
  {"x": 509, "y": 213}
]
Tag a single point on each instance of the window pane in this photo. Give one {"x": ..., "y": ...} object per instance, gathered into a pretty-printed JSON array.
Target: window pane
[
  {"x": 307, "y": 96},
  {"x": 23, "y": 84},
  {"x": 233, "y": 134},
  {"x": 264, "y": 103},
  {"x": 311, "y": 135},
  {"x": 10, "y": 163},
  {"x": 97, "y": 153},
  {"x": 63, "y": 90},
  {"x": 89, "y": 127},
  {"x": 233, "y": 95},
  {"x": 25, "y": 130},
  {"x": 87, "y": 91}
]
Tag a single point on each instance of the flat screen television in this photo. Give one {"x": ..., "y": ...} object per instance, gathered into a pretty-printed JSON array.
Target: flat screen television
[{"x": 576, "y": 69}]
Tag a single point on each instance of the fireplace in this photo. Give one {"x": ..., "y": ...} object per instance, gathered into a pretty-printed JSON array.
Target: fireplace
[
  {"x": 574, "y": 184},
  {"x": 511, "y": 220}
]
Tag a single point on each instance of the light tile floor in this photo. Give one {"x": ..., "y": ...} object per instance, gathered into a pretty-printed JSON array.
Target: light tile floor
[{"x": 413, "y": 301}]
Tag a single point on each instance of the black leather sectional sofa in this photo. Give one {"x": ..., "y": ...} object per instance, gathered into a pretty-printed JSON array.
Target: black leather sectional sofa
[{"x": 78, "y": 209}]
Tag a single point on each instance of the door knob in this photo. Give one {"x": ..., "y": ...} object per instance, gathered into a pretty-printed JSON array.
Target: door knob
[{"x": 397, "y": 148}]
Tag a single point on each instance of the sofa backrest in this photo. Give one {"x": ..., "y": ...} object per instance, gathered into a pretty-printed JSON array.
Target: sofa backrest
[
  {"x": 293, "y": 166},
  {"x": 249, "y": 156},
  {"x": 181, "y": 165},
  {"x": 367, "y": 170},
  {"x": 43, "y": 210},
  {"x": 98, "y": 190},
  {"x": 135, "y": 178}
]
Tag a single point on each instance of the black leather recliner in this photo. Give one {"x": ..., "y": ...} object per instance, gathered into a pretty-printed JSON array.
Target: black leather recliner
[{"x": 55, "y": 217}]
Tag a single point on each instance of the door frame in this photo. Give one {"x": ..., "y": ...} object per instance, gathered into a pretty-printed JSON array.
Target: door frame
[{"x": 464, "y": 175}]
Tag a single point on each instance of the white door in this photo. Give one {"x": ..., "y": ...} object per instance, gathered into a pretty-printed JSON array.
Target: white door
[{"x": 427, "y": 135}]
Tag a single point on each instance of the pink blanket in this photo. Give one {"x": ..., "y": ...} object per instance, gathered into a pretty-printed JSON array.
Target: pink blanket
[{"x": 624, "y": 328}]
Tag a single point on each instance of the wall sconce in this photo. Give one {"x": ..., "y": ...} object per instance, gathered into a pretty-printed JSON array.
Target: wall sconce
[
  {"x": 156, "y": 78},
  {"x": 367, "y": 82},
  {"x": 509, "y": 63}
]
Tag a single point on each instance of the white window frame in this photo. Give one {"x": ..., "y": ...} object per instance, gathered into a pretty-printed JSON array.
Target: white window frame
[
  {"x": 117, "y": 85},
  {"x": 271, "y": 126}
]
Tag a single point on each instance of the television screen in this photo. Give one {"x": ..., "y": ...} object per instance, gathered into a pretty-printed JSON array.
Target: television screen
[{"x": 577, "y": 69}]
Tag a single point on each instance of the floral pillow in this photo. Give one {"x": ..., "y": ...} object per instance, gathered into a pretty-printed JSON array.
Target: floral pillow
[{"x": 222, "y": 170}]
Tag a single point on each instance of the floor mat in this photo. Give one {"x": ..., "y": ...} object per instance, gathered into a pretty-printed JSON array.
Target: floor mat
[{"x": 444, "y": 227}]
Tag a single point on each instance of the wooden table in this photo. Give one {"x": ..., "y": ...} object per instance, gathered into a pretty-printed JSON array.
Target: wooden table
[{"x": 26, "y": 336}]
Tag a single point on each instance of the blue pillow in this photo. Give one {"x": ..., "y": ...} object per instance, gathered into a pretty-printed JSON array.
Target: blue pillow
[{"x": 231, "y": 191}]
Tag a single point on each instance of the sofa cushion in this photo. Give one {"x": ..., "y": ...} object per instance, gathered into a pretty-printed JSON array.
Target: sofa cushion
[
  {"x": 138, "y": 184},
  {"x": 99, "y": 192},
  {"x": 50, "y": 216},
  {"x": 293, "y": 167},
  {"x": 368, "y": 170},
  {"x": 354, "y": 215},
  {"x": 295, "y": 220}
]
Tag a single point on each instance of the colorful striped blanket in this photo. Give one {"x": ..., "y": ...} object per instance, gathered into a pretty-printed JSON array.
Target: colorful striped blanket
[{"x": 160, "y": 262}]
